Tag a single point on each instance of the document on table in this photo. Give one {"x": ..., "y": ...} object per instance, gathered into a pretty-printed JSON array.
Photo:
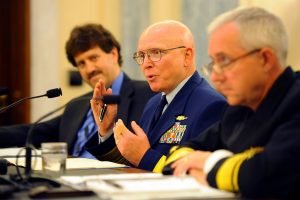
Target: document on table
[
  {"x": 15, "y": 151},
  {"x": 145, "y": 186},
  {"x": 10, "y": 154}
]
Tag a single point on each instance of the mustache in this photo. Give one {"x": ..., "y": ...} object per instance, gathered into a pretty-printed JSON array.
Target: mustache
[{"x": 94, "y": 73}]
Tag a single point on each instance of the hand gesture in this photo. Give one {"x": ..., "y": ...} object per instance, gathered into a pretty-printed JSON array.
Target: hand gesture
[
  {"x": 107, "y": 123},
  {"x": 132, "y": 146}
]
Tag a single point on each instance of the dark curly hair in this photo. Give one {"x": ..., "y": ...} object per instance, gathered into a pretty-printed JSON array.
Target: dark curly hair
[{"x": 83, "y": 38}]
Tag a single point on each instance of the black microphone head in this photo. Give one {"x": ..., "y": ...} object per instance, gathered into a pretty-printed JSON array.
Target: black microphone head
[
  {"x": 54, "y": 93},
  {"x": 3, "y": 166},
  {"x": 4, "y": 91},
  {"x": 111, "y": 99}
]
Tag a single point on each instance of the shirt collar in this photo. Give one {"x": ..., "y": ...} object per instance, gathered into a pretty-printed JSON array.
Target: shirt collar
[
  {"x": 117, "y": 83},
  {"x": 172, "y": 94}
]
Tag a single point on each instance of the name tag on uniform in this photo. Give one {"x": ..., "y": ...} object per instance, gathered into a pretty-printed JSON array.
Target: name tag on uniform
[{"x": 175, "y": 133}]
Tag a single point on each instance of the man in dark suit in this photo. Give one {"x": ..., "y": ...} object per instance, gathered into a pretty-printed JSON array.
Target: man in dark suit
[
  {"x": 96, "y": 53},
  {"x": 166, "y": 55},
  {"x": 255, "y": 148}
]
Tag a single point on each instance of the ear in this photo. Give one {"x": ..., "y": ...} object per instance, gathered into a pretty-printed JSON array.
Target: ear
[
  {"x": 189, "y": 56},
  {"x": 269, "y": 59},
  {"x": 115, "y": 54}
]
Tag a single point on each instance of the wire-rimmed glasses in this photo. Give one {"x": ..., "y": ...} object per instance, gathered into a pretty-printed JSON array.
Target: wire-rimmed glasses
[
  {"x": 219, "y": 67},
  {"x": 154, "y": 54}
]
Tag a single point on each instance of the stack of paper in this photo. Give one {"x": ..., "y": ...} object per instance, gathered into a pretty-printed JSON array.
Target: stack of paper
[
  {"x": 145, "y": 186},
  {"x": 10, "y": 154}
]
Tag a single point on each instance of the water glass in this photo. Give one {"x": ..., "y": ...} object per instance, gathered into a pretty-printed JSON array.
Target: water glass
[{"x": 54, "y": 156}]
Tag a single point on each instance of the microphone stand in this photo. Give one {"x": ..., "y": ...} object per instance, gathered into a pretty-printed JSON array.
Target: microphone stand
[
  {"x": 19, "y": 101},
  {"x": 29, "y": 147},
  {"x": 50, "y": 94},
  {"x": 109, "y": 99}
]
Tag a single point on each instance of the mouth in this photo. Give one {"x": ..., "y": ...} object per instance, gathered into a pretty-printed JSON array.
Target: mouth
[
  {"x": 151, "y": 77},
  {"x": 93, "y": 75}
]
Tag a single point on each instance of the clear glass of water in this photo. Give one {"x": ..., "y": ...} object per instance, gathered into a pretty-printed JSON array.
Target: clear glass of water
[{"x": 54, "y": 156}]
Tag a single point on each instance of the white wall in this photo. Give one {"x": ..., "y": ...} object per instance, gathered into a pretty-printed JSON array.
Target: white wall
[{"x": 44, "y": 54}]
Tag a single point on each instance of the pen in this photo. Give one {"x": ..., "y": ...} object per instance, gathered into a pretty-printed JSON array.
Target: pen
[
  {"x": 102, "y": 113},
  {"x": 114, "y": 184}
]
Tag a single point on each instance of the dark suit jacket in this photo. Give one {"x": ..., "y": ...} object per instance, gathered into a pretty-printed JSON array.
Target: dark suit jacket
[
  {"x": 134, "y": 95},
  {"x": 275, "y": 128}
]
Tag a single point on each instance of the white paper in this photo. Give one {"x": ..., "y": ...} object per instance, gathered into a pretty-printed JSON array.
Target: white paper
[
  {"x": 162, "y": 187},
  {"x": 10, "y": 154},
  {"x": 72, "y": 163},
  {"x": 14, "y": 151},
  {"x": 125, "y": 176},
  {"x": 79, "y": 182}
]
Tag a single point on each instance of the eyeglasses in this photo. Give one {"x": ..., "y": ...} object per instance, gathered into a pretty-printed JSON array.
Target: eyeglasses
[
  {"x": 220, "y": 66},
  {"x": 153, "y": 54}
]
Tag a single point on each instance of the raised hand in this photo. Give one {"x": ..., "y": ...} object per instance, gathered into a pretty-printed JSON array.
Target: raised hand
[{"x": 107, "y": 123}]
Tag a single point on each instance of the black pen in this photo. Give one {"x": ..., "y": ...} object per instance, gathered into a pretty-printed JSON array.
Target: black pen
[
  {"x": 112, "y": 183},
  {"x": 103, "y": 111}
]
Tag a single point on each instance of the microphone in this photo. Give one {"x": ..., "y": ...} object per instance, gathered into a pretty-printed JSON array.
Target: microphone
[
  {"x": 50, "y": 94},
  {"x": 108, "y": 99},
  {"x": 3, "y": 166},
  {"x": 111, "y": 99},
  {"x": 4, "y": 90}
]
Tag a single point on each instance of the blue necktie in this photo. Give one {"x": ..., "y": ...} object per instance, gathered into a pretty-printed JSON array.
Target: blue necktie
[
  {"x": 84, "y": 134},
  {"x": 163, "y": 102}
]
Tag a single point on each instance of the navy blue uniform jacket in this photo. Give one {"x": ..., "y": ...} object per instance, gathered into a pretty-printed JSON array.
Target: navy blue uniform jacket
[{"x": 194, "y": 108}]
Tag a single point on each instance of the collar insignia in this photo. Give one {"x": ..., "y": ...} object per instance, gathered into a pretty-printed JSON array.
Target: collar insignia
[{"x": 181, "y": 118}]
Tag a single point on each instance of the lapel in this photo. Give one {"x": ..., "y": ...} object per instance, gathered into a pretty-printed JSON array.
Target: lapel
[
  {"x": 174, "y": 109},
  {"x": 126, "y": 98}
]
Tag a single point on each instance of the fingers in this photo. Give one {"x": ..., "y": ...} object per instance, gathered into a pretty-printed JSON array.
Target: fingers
[
  {"x": 99, "y": 91},
  {"x": 199, "y": 175},
  {"x": 96, "y": 101},
  {"x": 194, "y": 160},
  {"x": 119, "y": 129},
  {"x": 137, "y": 129},
  {"x": 181, "y": 166}
]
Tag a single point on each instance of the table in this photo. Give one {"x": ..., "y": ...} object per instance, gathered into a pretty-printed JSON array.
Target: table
[{"x": 65, "y": 192}]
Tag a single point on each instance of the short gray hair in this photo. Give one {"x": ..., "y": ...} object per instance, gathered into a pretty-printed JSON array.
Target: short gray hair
[{"x": 258, "y": 28}]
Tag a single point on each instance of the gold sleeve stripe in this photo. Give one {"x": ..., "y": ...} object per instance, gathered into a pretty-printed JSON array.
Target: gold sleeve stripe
[
  {"x": 178, "y": 154},
  {"x": 173, "y": 149},
  {"x": 175, "y": 155},
  {"x": 160, "y": 165},
  {"x": 227, "y": 174}
]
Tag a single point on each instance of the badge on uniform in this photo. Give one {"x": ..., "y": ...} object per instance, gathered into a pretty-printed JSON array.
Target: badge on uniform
[{"x": 175, "y": 133}]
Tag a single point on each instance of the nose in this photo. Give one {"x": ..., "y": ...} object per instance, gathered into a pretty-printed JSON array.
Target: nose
[
  {"x": 89, "y": 66},
  {"x": 147, "y": 62},
  {"x": 216, "y": 77},
  {"x": 147, "y": 58}
]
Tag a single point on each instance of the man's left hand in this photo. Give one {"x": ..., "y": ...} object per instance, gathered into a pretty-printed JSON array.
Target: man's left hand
[{"x": 132, "y": 146}]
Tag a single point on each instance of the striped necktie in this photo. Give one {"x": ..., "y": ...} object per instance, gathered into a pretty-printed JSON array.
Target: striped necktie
[{"x": 84, "y": 134}]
